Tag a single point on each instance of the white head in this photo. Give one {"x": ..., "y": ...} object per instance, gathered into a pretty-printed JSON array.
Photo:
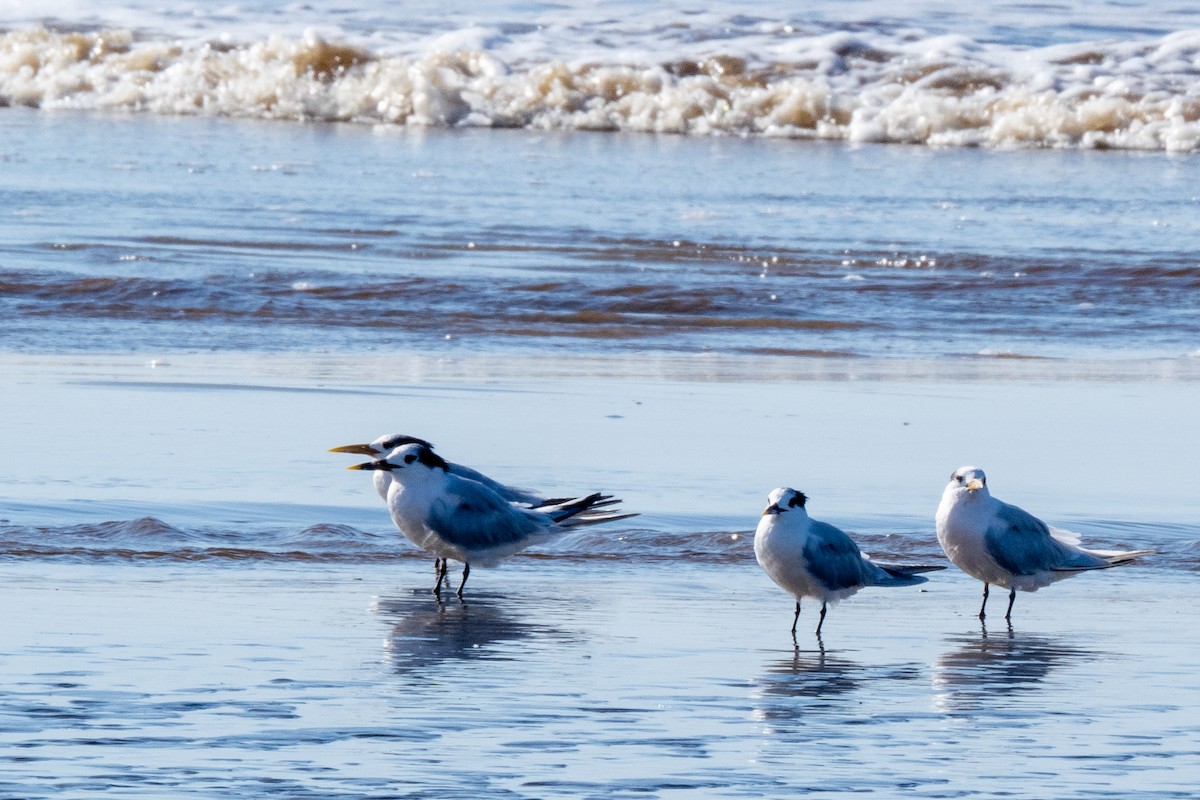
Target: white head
[
  {"x": 967, "y": 482},
  {"x": 785, "y": 500},
  {"x": 381, "y": 446},
  {"x": 406, "y": 459}
]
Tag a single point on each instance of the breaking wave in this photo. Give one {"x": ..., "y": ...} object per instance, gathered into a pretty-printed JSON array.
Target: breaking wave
[{"x": 941, "y": 91}]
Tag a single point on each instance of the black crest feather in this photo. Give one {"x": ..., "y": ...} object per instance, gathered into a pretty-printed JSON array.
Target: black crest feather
[
  {"x": 431, "y": 459},
  {"x": 400, "y": 439}
]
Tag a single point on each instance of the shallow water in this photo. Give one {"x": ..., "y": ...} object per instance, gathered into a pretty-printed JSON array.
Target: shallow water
[
  {"x": 556, "y": 679},
  {"x": 237, "y": 236},
  {"x": 209, "y": 603}
]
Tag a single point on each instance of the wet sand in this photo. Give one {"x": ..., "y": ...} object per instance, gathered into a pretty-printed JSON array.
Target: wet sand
[
  {"x": 559, "y": 679},
  {"x": 659, "y": 674},
  {"x": 686, "y": 436}
]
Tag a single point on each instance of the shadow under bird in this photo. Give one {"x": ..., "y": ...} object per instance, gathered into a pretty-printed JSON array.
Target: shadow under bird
[
  {"x": 1001, "y": 544},
  {"x": 808, "y": 558},
  {"x": 462, "y": 519}
]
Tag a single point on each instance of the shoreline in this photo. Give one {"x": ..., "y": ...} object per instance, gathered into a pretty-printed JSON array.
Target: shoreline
[
  {"x": 672, "y": 439},
  {"x": 299, "y": 371}
]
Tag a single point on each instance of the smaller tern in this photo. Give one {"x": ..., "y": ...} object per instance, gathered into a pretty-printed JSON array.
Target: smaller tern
[
  {"x": 1002, "y": 544},
  {"x": 814, "y": 559},
  {"x": 458, "y": 518}
]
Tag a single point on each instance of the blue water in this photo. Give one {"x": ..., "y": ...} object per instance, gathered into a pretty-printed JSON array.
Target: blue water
[{"x": 154, "y": 234}]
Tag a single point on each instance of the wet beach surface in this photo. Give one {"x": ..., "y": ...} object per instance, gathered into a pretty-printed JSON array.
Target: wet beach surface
[
  {"x": 560, "y": 678},
  {"x": 192, "y": 610}
]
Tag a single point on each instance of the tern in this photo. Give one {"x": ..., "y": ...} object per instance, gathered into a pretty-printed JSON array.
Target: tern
[
  {"x": 814, "y": 559},
  {"x": 1002, "y": 544},
  {"x": 385, "y": 444},
  {"x": 458, "y": 518}
]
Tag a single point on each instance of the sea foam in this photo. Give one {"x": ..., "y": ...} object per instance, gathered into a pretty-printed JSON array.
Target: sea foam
[{"x": 942, "y": 91}]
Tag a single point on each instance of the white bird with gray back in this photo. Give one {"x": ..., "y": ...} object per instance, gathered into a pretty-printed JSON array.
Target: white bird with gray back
[
  {"x": 383, "y": 479},
  {"x": 461, "y": 519},
  {"x": 1001, "y": 544},
  {"x": 808, "y": 558}
]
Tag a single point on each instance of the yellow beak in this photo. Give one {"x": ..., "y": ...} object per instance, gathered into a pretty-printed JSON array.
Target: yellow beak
[
  {"x": 974, "y": 485},
  {"x": 356, "y": 449}
]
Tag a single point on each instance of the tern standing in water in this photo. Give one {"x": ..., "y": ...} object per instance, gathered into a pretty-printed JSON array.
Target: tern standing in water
[
  {"x": 461, "y": 519},
  {"x": 999, "y": 543},
  {"x": 378, "y": 448},
  {"x": 814, "y": 559}
]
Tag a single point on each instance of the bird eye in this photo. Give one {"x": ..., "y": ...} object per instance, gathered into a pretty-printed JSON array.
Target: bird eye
[
  {"x": 410, "y": 458},
  {"x": 955, "y": 476}
]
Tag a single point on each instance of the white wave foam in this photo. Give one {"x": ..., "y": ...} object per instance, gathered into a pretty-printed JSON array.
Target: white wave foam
[{"x": 944, "y": 91}]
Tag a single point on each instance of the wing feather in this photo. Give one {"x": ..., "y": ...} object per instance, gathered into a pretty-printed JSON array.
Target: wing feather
[
  {"x": 1023, "y": 544},
  {"x": 833, "y": 558},
  {"x": 473, "y": 516},
  {"x": 509, "y": 493}
]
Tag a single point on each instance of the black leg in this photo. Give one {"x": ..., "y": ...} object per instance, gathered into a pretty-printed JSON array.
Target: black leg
[
  {"x": 982, "y": 614},
  {"x": 822, "y": 620},
  {"x": 466, "y": 572},
  {"x": 1012, "y": 596},
  {"x": 795, "y": 619},
  {"x": 440, "y": 567}
]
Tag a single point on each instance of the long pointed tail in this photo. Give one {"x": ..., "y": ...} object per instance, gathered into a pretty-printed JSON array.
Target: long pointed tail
[
  {"x": 1115, "y": 557},
  {"x": 907, "y": 575},
  {"x": 590, "y": 510},
  {"x": 1108, "y": 558}
]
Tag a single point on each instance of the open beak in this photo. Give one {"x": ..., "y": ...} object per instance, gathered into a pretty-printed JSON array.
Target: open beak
[
  {"x": 372, "y": 465},
  {"x": 356, "y": 449},
  {"x": 772, "y": 509},
  {"x": 974, "y": 485}
]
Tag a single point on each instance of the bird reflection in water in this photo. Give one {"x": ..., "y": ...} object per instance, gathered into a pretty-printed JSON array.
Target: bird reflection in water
[
  {"x": 804, "y": 682},
  {"x": 986, "y": 672},
  {"x": 797, "y": 689},
  {"x": 428, "y": 633},
  {"x": 810, "y": 673}
]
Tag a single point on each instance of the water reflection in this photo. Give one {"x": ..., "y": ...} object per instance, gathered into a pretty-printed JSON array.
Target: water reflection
[
  {"x": 985, "y": 671},
  {"x": 810, "y": 673},
  {"x": 428, "y": 631},
  {"x": 812, "y": 684},
  {"x": 804, "y": 682}
]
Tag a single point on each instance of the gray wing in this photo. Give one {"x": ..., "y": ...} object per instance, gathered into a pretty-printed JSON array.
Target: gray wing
[
  {"x": 1022, "y": 544},
  {"x": 833, "y": 558},
  {"x": 507, "y": 492},
  {"x": 474, "y": 516}
]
